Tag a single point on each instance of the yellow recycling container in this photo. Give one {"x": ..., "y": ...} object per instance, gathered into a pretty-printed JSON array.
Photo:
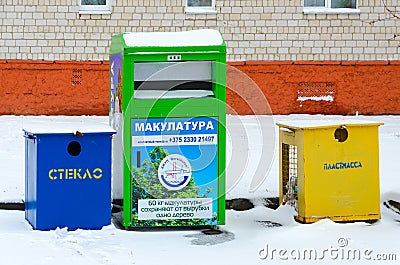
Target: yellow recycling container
[{"x": 330, "y": 169}]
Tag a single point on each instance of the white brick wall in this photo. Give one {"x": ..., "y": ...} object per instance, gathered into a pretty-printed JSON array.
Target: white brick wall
[{"x": 253, "y": 29}]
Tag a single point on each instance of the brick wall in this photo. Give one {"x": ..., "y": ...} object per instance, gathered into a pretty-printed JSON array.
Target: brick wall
[
  {"x": 347, "y": 88},
  {"x": 266, "y": 30},
  {"x": 303, "y": 63},
  {"x": 82, "y": 88},
  {"x": 53, "y": 88}
]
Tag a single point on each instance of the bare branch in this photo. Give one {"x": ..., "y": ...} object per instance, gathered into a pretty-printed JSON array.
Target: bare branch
[{"x": 393, "y": 13}]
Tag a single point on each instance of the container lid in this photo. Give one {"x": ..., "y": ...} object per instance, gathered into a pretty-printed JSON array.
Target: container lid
[
  {"x": 314, "y": 124},
  {"x": 203, "y": 37},
  {"x": 58, "y": 127}
]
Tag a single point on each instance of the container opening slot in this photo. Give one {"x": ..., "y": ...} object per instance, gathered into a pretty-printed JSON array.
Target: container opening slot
[
  {"x": 289, "y": 173},
  {"x": 341, "y": 134},
  {"x": 74, "y": 148},
  {"x": 189, "y": 79},
  {"x": 169, "y": 85}
]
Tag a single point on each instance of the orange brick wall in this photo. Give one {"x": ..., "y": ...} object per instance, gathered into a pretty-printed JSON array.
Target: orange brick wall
[
  {"x": 53, "y": 88},
  {"x": 363, "y": 87},
  {"x": 81, "y": 88}
]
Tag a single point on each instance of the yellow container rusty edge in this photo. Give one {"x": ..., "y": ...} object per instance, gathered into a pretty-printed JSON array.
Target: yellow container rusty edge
[{"x": 335, "y": 180}]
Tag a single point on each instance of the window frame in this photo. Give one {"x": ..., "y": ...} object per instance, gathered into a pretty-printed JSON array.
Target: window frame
[
  {"x": 200, "y": 9},
  {"x": 327, "y": 9},
  {"x": 95, "y": 9}
]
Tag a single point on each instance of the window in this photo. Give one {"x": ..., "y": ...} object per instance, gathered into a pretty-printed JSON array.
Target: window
[
  {"x": 330, "y": 6},
  {"x": 94, "y": 6},
  {"x": 200, "y": 6}
]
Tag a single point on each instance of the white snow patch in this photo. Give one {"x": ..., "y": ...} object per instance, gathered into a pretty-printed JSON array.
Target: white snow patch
[
  {"x": 345, "y": 121},
  {"x": 203, "y": 37},
  {"x": 67, "y": 127},
  {"x": 21, "y": 245},
  {"x": 328, "y": 98}
]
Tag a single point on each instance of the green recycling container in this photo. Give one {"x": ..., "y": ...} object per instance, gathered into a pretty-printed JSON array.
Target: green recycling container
[{"x": 168, "y": 106}]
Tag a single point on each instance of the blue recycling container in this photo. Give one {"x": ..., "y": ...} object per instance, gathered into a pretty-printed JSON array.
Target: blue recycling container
[{"x": 68, "y": 176}]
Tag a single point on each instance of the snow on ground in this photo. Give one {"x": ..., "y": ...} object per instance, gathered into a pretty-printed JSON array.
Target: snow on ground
[{"x": 250, "y": 237}]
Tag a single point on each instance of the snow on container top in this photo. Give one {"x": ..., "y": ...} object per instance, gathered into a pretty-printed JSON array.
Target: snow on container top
[
  {"x": 67, "y": 128},
  {"x": 314, "y": 124},
  {"x": 203, "y": 37}
]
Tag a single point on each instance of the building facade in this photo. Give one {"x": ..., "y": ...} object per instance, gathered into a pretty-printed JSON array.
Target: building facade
[{"x": 61, "y": 48}]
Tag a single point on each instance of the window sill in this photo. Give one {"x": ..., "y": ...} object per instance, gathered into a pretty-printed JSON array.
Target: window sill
[
  {"x": 95, "y": 12},
  {"x": 323, "y": 10},
  {"x": 200, "y": 10}
]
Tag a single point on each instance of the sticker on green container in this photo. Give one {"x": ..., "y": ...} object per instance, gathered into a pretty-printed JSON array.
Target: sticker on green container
[{"x": 174, "y": 171}]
